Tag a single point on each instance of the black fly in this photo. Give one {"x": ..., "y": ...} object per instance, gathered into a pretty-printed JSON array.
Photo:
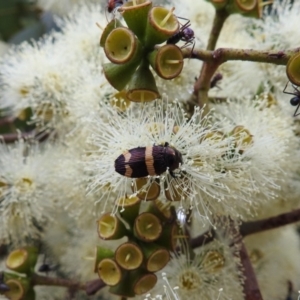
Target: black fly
[{"x": 295, "y": 101}]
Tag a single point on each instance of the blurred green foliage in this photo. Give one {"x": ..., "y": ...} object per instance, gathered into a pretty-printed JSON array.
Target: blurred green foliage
[{"x": 17, "y": 15}]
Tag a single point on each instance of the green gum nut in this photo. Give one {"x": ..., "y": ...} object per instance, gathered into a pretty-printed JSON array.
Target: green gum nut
[
  {"x": 167, "y": 61},
  {"x": 145, "y": 190},
  {"x": 22, "y": 260},
  {"x": 109, "y": 272},
  {"x": 160, "y": 209},
  {"x": 147, "y": 227},
  {"x": 122, "y": 46},
  {"x": 218, "y": 4},
  {"x": 124, "y": 289},
  {"x": 100, "y": 254},
  {"x": 293, "y": 69},
  {"x": 169, "y": 236},
  {"x": 128, "y": 208},
  {"x": 129, "y": 256},
  {"x": 142, "y": 86},
  {"x": 113, "y": 24},
  {"x": 156, "y": 257},
  {"x": 241, "y": 6},
  {"x": 257, "y": 11},
  {"x": 19, "y": 287},
  {"x": 142, "y": 281},
  {"x": 119, "y": 75},
  {"x": 110, "y": 227},
  {"x": 135, "y": 16},
  {"x": 162, "y": 24}
]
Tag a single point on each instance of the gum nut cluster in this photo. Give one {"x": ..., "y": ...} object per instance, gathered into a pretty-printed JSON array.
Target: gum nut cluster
[
  {"x": 151, "y": 231},
  {"x": 249, "y": 8},
  {"x": 132, "y": 50}
]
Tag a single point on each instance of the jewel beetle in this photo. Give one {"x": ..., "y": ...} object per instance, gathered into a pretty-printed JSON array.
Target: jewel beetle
[{"x": 148, "y": 161}]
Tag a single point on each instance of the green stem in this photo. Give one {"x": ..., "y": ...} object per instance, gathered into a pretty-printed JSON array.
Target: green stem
[
  {"x": 213, "y": 59},
  {"x": 221, "y": 55},
  {"x": 202, "y": 84},
  {"x": 247, "y": 228},
  {"x": 220, "y": 17},
  {"x": 90, "y": 287},
  {"x": 53, "y": 281}
]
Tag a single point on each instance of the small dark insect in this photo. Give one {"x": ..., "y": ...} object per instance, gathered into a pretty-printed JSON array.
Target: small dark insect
[
  {"x": 295, "y": 101},
  {"x": 3, "y": 287},
  {"x": 185, "y": 34},
  {"x": 45, "y": 267},
  {"x": 215, "y": 80},
  {"x": 143, "y": 161},
  {"x": 112, "y": 4}
]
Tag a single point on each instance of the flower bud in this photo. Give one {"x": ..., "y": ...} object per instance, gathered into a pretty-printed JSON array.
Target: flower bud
[
  {"x": 110, "y": 227},
  {"x": 147, "y": 227},
  {"x": 168, "y": 237},
  {"x": 293, "y": 69},
  {"x": 19, "y": 287},
  {"x": 100, "y": 254},
  {"x": 135, "y": 16},
  {"x": 160, "y": 209},
  {"x": 113, "y": 24},
  {"x": 122, "y": 46},
  {"x": 167, "y": 61},
  {"x": 162, "y": 24},
  {"x": 22, "y": 260},
  {"x": 129, "y": 207},
  {"x": 142, "y": 86},
  {"x": 241, "y": 6},
  {"x": 156, "y": 257},
  {"x": 148, "y": 189},
  {"x": 124, "y": 289},
  {"x": 142, "y": 282},
  {"x": 257, "y": 11},
  {"x": 129, "y": 256},
  {"x": 119, "y": 75},
  {"x": 109, "y": 272},
  {"x": 218, "y": 4}
]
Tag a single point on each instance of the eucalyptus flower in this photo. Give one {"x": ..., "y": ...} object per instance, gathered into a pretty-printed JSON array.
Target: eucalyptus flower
[
  {"x": 61, "y": 7},
  {"x": 26, "y": 191},
  {"x": 211, "y": 273}
]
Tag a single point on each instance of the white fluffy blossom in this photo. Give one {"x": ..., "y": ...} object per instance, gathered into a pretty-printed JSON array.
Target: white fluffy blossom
[
  {"x": 37, "y": 76},
  {"x": 212, "y": 273},
  {"x": 217, "y": 174},
  {"x": 61, "y": 90},
  {"x": 26, "y": 193},
  {"x": 62, "y": 7}
]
